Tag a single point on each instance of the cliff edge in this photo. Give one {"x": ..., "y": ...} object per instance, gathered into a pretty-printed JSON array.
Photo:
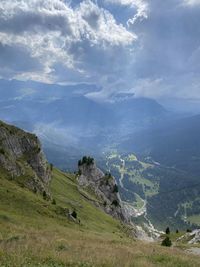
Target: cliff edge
[
  {"x": 22, "y": 159},
  {"x": 103, "y": 185}
]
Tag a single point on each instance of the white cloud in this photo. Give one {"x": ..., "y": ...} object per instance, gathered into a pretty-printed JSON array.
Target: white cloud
[
  {"x": 141, "y": 7},
  {"x": 63, "y": 41},
  {"x": 50, "y": 32},
  {"x": 100, "y": 26},
  {"x": 24, "y": 92},
  {"x": 166, "y": 88},
  {"x": 192, "y": 2}
]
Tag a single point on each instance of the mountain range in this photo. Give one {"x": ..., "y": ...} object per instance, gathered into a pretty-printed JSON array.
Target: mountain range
[
  {"x": 64, "y": 116},
  {"x": 70, "y": 125}
]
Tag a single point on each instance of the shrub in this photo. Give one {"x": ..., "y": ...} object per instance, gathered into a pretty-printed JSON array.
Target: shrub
[
  {"x": 37, "y": 149},
  {"x": 2, "y": 151},
  {"x": 106, "y": 181},
  {"x": 54, "y": 202},
  {"x": 107, "y": 178},
  {"x": 79, "y": 172},
  {"x": 44, "y": 194},
  {"x": 166, "y": 242},
  {"x": 167, "y": 231},
  {"x": 115, "y": 203},
  {"x": 115, "y": 189},
  {"x": 74, "y": 214},
  {"x": 108, "y": 174},
  {"x": 51, "y": 166}
]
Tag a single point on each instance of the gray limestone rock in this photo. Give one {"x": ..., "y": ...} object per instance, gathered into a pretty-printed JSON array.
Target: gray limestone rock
[
  {"x": 105, "y": 188},
  {"x": 22, "y": 159}
]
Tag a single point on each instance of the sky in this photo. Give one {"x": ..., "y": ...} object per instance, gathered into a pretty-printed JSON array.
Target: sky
[{"x": 150, "y": 48}]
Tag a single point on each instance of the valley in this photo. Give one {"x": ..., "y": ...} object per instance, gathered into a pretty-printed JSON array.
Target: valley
[
  {"x": 134, "y": 204},
  {"x": 152, "y": 152},
  {"x": 141, "y": 182},
  {"x": 51, "y": 218}
]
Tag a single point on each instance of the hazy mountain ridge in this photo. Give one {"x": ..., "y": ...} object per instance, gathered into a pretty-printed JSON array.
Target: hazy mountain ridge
[
  {"x": 70, "y": 125},
  {"x": 63, "y": 116},
  {"x": 177, "y": 144},
  {"x": 67, "y": 106}
]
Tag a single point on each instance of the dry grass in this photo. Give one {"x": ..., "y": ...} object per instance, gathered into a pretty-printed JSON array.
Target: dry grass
[
  {"x": 31, "y": 234},
  {"x": 60, "y": 246}
]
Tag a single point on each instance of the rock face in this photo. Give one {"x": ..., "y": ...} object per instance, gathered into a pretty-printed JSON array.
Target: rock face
[
  {"x": 195, "y": 235},
  {"x": 191, "y": 238},
  {"x": 105, "y": 188},
  {"x": 22, "y": 159}
]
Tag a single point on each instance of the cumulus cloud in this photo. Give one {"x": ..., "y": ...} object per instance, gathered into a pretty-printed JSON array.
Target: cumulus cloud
[
  {"x": 148, "y": 47},
  {"x": 141, "y": 7},
  {"x": 165, "y": 63},
  {"x": 51, "y": 31}
]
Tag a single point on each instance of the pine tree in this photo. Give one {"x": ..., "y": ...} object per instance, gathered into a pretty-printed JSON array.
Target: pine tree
[
  {"x": 115, "y": 189},
  {"x": 166, "y": 242},
  {"x": 167, "y": 231}
]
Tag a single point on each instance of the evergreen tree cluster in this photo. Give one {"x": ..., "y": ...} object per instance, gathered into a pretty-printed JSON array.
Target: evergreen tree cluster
[
  {"x": 85, "y": 160},
  {"x": 108, "y": 175}
]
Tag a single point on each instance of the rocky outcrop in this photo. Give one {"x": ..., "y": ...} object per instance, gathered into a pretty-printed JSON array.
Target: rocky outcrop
[
  {"x": 195, "y": 235},
  {"x": 22, "y": 159},
  {"x": 191, "y": 238},
  {"x": 104, "y": 186}
]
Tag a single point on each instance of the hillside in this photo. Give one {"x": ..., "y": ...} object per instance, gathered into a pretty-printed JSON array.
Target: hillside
[
  {"x": 69, "y": 228},
  {"x": 34, "y": 232}
]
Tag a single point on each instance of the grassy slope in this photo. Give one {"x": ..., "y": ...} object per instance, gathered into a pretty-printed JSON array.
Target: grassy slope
[{"x": 33, "y": 234}]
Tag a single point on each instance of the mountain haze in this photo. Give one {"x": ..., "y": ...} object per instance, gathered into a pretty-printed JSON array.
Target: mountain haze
[{"x": 63, "y": 116}]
